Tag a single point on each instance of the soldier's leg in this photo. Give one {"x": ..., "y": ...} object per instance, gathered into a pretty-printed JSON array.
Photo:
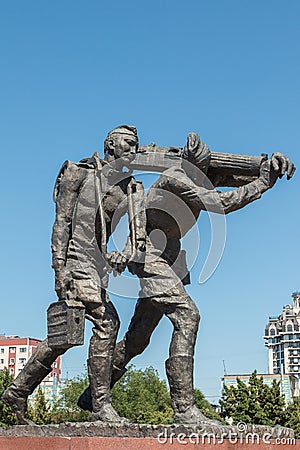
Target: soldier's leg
[
  {"x": 36, "y": 369},
  {"x": 184, "y": 315},
  {"x": 170, "y": 298},
  {"x": 180, "y": 366}
]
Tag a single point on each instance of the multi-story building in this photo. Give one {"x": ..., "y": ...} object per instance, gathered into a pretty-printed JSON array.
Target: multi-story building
[
  {"x": 14, "y": 354},
  {"x": 282, "y": 337}
]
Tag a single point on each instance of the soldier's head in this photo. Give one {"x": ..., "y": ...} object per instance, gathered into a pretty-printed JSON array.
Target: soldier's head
[{"x": 121, "y": 142}]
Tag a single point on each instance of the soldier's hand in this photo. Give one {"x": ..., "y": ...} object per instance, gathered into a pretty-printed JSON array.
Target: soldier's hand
[
  {"x": 117, "y": 262},
  {"x": 282, "y": 165}
]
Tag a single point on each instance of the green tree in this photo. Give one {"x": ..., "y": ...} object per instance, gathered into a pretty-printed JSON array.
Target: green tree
[
  {"x": 39, "y": 409},
  {"x": 6, "y": 415},
  {"x": 273, "y": 403},
  {"x": 235, "y": 402},
  {"x": 66, "y": 408},
  {"x": 254, "y": 402},
  {"x": 142, "y": 397},
  {"x": 292, "y": 417}
]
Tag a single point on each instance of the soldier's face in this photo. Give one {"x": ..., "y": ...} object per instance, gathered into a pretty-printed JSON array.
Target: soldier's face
[{"x": 125, "y": 146}]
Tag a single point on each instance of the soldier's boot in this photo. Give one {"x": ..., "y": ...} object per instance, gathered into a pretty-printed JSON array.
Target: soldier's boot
[
  {"x": 180, "y": 376},
  {"x": 15, "y": 396},
  {"x": 99, "y": 368},
  {"x": 85, "y": 400}
]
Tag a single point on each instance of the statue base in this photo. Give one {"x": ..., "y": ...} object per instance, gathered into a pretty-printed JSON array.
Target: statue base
[{"x": 94, "y": 435}]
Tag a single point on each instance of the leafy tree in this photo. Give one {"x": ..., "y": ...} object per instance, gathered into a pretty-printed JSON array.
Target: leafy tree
[
  {"x": 39, "y": 410},
  {"x": 142, "y": 397},
  {"x": 274, "y": 403},
  {"x": 6, "y": 415},
  {"x": 66, "y": 408},
  {"x": 292, "y": 416},
  {"x": 254, "y": 402}
]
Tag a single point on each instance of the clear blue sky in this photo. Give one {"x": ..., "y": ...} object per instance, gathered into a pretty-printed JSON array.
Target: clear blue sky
[{"x": 230, "y": 70}]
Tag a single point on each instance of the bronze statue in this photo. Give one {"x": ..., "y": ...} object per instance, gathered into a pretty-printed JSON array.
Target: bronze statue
[{"x": 91, "y": 196}]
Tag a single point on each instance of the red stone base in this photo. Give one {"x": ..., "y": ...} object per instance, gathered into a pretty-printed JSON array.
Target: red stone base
[{"x": 128, "y": 443}]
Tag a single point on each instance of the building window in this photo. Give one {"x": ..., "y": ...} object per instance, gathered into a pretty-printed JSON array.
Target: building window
[
  {"x": 12, "y": 349},
  {"x": 54, "y": 365},
  {"x": 272, "y": 332},
  {"x": 12, "y": 361},
  {"x": 289, "y": 328},
  {"x": 2, "y": 350},
  {"x": 22, "y": 360},
  {"x": 11, "y": 371},
  {"x": 1, "y": 361},
  {"x": 23, "y": 350}
]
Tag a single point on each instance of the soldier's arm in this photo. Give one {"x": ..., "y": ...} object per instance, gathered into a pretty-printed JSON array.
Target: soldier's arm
[{"x": 206, "y": 198}]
